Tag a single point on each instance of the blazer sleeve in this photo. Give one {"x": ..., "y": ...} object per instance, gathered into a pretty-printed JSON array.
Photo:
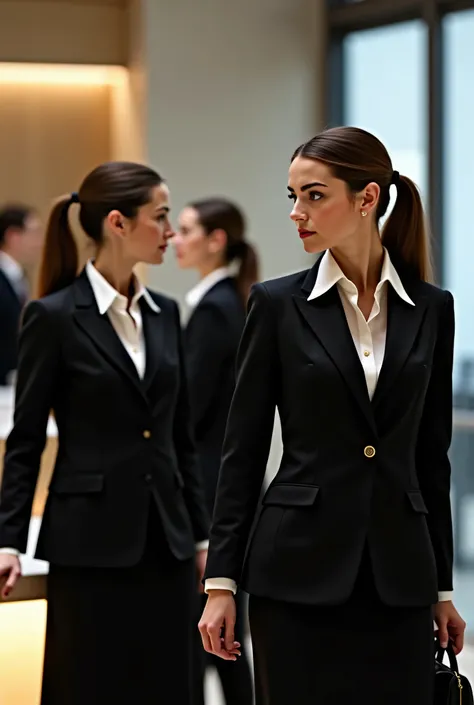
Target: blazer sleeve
[
  {"x": 193, "y": 489},
  {"x": 434, "y": 440},
  {"x": 207, "y": 347},
  {"x": 37, "y": 371},
  {"x": 247, "y": 442}
]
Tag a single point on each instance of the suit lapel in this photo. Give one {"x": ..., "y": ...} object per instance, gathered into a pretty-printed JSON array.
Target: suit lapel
[
  {"x": 403, "y": 325},
  {"x": 101, "y": 332},
  {"x": 154, "y": 340},
  {"x": 326, "y": 318}
]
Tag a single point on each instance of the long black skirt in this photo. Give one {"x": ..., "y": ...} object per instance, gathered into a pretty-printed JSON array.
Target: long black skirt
[
  {"x": 362, "y": 652},
  {"x": 122, "y": 636}
]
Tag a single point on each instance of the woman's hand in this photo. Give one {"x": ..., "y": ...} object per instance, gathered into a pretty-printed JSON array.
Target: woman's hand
[
  {"x": 219, "y": 614},
  {"x": 10, "y": 571},
  {"x": 451, "y": 626}
]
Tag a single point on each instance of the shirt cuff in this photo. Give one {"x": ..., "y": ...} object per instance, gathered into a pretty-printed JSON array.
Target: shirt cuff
[
  {"x": 220, "y": 584},
  {"x": 10, "y": 551},
  {"x": 445, "y": 595},
  {"x": 202, "y": 546}
]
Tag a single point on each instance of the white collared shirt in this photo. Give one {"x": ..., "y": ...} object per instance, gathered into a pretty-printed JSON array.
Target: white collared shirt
[
  {"x": 197, "y": 293},
  {"x": 369, "y": 338},
  {"x": 126, "y": 319},
  {"x": 10, "y": 268},
  {"x": 369, "y": 335},
  {"x": 15, "y": 274}
]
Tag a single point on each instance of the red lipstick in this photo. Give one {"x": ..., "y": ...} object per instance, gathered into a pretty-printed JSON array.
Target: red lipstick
[{"x": 305, "y": 233}]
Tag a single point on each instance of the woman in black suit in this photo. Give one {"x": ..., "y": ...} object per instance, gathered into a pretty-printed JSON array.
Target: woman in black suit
[
  {"x": 125, "y": 508},
  {"x": 211, "y": 240},
  {"x": 352, "y": 554}
]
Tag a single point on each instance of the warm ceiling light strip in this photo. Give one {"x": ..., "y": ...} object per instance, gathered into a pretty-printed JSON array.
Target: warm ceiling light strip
[{"x": 61, "y": 74}]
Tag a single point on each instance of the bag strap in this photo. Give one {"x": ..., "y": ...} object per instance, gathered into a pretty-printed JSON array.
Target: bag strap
[{"x": 440, "y": 652}]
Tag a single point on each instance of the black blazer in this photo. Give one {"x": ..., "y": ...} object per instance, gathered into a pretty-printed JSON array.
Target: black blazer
[
  {"x": 212, "y": 337},
  {"x": 333, "y": 493},
  {"x": 10, "y": 313},
  {"x": 121, "y": 440}
]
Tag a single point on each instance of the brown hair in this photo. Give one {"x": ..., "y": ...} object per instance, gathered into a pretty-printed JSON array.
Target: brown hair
[
  {"x": 221, "y": 214},
  {"x": 359, "y": 158},
  {"x": 122, "y": 186}
]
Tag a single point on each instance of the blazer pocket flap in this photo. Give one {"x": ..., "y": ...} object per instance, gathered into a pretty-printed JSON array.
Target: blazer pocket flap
[
  {"x": 77, "y": 484},
  {"x": 417, "y": 502},
  {"x": 287, "y": 495}
]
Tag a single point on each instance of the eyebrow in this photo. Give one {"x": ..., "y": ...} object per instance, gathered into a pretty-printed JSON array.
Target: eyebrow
[
  {"x": 163, "y": 208},
  {"x": 307, "y": 186}
]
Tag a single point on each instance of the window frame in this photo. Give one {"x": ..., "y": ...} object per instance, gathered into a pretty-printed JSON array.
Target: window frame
[{"x": 344, "y": 18}]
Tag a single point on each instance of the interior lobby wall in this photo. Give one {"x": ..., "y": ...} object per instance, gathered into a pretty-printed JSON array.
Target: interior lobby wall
[{"x": 232, "y": 90}]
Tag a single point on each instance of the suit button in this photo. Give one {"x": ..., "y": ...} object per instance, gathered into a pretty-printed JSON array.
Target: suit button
[
  {"x": 147, "y": 434},
  {"x": 148, "y": 477},
  {"x": 369, "y": 451}
]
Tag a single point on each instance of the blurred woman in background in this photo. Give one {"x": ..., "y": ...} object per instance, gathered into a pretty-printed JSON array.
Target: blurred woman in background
[
  {"x": 211, "y": 240},
  {"x": 125, "y": 512}
]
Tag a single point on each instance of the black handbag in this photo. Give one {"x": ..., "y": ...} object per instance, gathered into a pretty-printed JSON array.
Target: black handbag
[{"x": 451, "y": 688}]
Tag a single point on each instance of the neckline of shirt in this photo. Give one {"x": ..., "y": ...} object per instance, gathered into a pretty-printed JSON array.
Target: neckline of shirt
[
  {"x": 197, "y": 293},
  {"x": 108, "y": 297},
  {"x": 330, "y": 274}
]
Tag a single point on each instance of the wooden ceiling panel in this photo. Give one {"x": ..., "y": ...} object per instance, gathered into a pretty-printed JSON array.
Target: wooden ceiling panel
[{"x": 114, "y": 3}]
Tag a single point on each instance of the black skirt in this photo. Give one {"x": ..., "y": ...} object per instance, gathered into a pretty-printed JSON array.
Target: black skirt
[
  {"x": 121, "y": 635},
  {"x": 362, "y": 652}
]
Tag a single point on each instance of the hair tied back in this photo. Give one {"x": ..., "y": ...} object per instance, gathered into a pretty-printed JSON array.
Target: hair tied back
[{"x": 395, "y": 178}]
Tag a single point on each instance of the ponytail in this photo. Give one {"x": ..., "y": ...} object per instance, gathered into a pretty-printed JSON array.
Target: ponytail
[
  {"x": 248, "y": 272},
  {"x": 405, "y": 233},
  {"x": 59, "y": 261}
]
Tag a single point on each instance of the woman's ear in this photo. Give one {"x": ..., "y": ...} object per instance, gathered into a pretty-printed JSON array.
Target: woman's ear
[
  {"x": 217, "y": 241},
  {"x": 116, "y": 223},
  {"x": 370, "y": 197}
]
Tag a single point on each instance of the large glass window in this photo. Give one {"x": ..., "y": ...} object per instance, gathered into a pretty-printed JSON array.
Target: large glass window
[
  {"x": 458, "y": 268},
  {"x": 385, "y": 78},
  {"x": 459, "y": 179}
]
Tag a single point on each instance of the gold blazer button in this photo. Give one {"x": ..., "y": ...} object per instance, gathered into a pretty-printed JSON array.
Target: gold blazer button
[
  {"x": 146, "y": 434},
  {"x": 369, "y": 451}
]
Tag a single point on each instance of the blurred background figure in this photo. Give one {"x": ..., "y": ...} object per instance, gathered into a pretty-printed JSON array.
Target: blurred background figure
[
  {"x": 211, "y": 240},
  {"x": 21, "y": 237}
]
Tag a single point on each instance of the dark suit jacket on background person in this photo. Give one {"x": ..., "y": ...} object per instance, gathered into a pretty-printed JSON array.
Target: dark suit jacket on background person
[
  {"x": 11, "y": 305},
  {"x": 122, "y": 441},
  {"x": 211, "y": 340}
]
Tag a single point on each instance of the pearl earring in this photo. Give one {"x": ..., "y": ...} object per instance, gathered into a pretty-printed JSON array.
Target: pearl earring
[{"x": 363, "y": 213}]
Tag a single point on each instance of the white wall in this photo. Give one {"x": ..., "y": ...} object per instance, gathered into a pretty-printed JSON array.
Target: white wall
[{"x": 233, "y": 89}]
